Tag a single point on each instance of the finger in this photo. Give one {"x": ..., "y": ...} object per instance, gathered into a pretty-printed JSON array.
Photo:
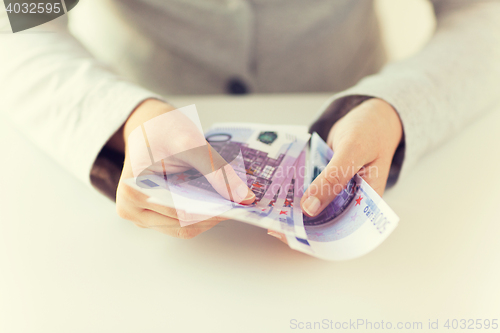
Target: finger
[
  {"x": 216, "y": 170},
  {"x": 171, "y": 227},
  {"x": 130, "y": 203},
  {"x": 139, "y": 201},
  {"x": 163, "y": 210},
  {"x": 219, "y": 173},
  {"x": 376, "y": 174},
  {"x": 128, "y": 198},
  {"x": 180, "y": 214},
  {"x": 190, "y": 218},
  {"x": 278, "y": 235},
  {"x": 132, "y": 206},
  {"x": 227, "y": 183},
  {"x": 346, "y": 162}
]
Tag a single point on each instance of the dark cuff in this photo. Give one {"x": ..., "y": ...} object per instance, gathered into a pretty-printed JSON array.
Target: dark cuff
[{"x": 106, "y": 171}]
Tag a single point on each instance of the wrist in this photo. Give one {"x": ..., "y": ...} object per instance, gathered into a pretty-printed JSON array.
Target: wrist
[
  {"x": 148, "y": 109},
  {"x": 391, "y": 117}
]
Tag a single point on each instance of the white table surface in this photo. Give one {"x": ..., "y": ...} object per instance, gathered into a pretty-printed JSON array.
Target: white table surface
[{"x": 68, "y": 263}]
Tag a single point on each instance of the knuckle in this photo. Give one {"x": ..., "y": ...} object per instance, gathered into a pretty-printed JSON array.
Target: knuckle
[
  {"x": 333, "y": 181},
  {"x": 123, "y": 212},
  {"x": 127, "y": 191},
  {"x": 334, "y": 184},
  {"x": 332, "y": 177},
  {"x": 185, "y": 142},
  {"x": 170, "y": 212},
  {"x": 218, "y": 176},
  {"x": 185, "y": 233},
  {"x": 140, "y": 225},
  {"x": 232, "y": 177}
]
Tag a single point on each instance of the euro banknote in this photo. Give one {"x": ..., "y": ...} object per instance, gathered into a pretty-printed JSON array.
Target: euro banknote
[
  {"x": 277, "y": 166},
  {"x": 262, "y": 156}
]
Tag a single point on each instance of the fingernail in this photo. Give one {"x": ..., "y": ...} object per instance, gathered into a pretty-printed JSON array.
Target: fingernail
[
  {"x": 274, "y": 234},
  {"x": 250, "y": 195},
  {"x": 244, "y": 193},
  {"x": 311, "y": 205}
]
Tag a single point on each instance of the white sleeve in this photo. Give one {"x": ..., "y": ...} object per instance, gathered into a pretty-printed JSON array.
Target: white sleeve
[
  {"x": 452, "y": 80},
  {"x": 61, "y": 97}
]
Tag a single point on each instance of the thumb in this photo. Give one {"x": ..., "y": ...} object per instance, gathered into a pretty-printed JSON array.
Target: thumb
[
  {"x": 376, "y": 174},
  {"x": 334, "y": 178},
  {"x": 220, "y": 174},
  {"x": 228, "y": 184}
]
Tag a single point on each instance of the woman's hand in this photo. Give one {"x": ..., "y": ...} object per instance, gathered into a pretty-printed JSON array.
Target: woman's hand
[
  {"x": 155, "y": 130},
  {"x": 364, "y": 141}
]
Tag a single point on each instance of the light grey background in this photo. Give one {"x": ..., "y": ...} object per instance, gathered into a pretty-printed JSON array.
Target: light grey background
[{"x": 68, "y": 263}]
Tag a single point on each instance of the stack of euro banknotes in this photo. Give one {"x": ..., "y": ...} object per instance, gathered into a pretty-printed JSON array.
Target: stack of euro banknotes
[{"x": 278, "y": 163}]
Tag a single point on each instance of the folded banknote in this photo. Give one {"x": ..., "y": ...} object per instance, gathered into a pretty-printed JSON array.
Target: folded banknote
[{"x": 277, "y": 165}]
